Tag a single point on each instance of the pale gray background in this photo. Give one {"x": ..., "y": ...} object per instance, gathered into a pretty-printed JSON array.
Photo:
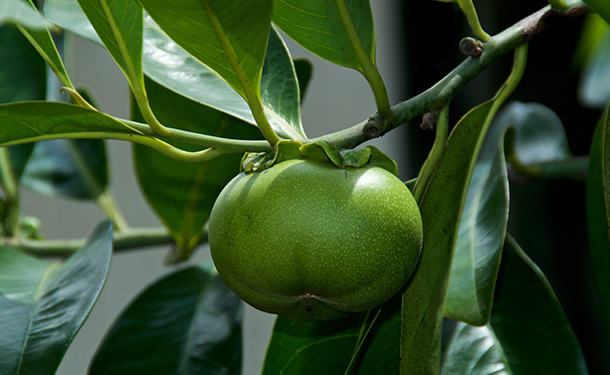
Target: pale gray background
[{"x": 337, "y": 98}]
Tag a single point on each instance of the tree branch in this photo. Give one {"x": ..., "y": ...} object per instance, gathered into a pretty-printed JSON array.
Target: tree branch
[{"x": 443, "y": 91}]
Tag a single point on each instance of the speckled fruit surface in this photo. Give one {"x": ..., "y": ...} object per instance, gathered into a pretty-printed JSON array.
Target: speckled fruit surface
[{"x": 310, "y": 241}]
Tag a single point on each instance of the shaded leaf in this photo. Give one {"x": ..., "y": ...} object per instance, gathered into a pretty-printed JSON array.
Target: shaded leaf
[
  {"x": 182, "y": 194},
  {"x": 73, "y": 168},
  {"x": 186, "y": 323},
  {"x": 594, "y": 85},
  {"x": 119, "y": 24},
  {"x": 601, "y": 7},
  {"x": 528, "y": 331},
  {"x": 317, "y": 25},
  {"x": 43, "y": 304},
  {"x": 536, "y": 135},
  {"x": 34, "y": 121},
  {"x": 598, "y": 213},
  {"x": 304, "y": 70},
  {"x": 21, "y": 13},
  {"x": 312, "y": 347},
  {"x": 529, "y": 322},
  {"x": 167, "y": 63}
]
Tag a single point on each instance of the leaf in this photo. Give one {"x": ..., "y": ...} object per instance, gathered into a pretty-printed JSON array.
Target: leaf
[
  {"x": 20, "y": 13},
  {"x": 119, "y": 24},
  {"x": 474, "y": 351},
  {"x": 601, "y": 7},
  {"x": 186, "y": 323},
  {"x": 594, "y": 85},
  {"x": 229, "y": 38},
  {"x": 303, "y": 70},
  {"x": 313, "y": 347},
  {"x": 441, "y": 209},
  {"x": 33, "y": 121},
  {"x": 537, "y": 136},
  {"x": 317, "y": 25},
  {"x": 168, "y": 64},
  {"x": 528, "y": 332},
  {"x": 22, "y": 70},
  {"x": 529, "y": 322},
  {"x": 43, "y": 304},
  {"x": 598, "y": 213},
  {"x": 182, "y": 194},
  {"x": 74, "y": 168}
]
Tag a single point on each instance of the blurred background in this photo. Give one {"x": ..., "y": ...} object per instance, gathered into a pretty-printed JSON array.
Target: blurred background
[{"x": 417, "y": 44}]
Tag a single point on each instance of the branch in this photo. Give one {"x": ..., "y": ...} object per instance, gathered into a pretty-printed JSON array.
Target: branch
[
  {"x": 439, "y": 95},
  {"x": 129, "y": 240}
]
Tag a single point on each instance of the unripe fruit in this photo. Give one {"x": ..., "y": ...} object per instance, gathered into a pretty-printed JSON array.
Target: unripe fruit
[{"x": 310, "y": 241}]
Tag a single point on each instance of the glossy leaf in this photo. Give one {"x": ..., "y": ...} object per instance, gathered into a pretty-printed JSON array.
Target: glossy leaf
[
  {"x": 43, "y": 304},
  {"x": 598, "y": 213},
  {"x": 168, "y": 64},
  {"x": 441, "y": 209},
  {"x": 182, "y": 194},
  {"x": 529, "y": 322},
  {"x": 74, "y": 168},
  {"x": 594, "y": 86},
  {"x": 304, "y": 348},
  {"x": 33, "y": 121},
  {"x": 119, "y": 24},
  {"x": 229, "y": 37},
  {"x": 21, "y": 13},
  {"x": 186, "y": 323},
  {"x": 537, "y": 136},
  {"x": 317, "y": 26},
  {"x": 474, "y": 351},
  {"x": 528, "y": 332}
]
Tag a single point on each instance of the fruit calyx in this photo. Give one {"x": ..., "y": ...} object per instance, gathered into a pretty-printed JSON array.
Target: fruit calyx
[{"x": 322, "y": 151}]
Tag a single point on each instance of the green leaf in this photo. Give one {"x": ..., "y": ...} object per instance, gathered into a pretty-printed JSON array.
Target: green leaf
[
  {"x": 34, "y": 121},
  {"x": 171, "y": 66},
  {"x": 536, "y": 135},
  {"x": 317, "y": 26},
  {"x": 74, "y": 168},
  {"x": 229, "y": 37},
  {"x": 598, "y": 213},
  {"x": 186, "y": 323},
  {"x": 22, "y": 70},
  {"x": 304, "y": 70},
  {"x": 43, "y": 304},
  {"x": 119, "y": 24},
  {"x": 313, "y": 347},
  {"x": 20, "y": 13},
  {"x": 182, "y": 194},
  {"x": 474, "y": 351},
  {"x": 601, "y": 7},
  {"x": 528, "y": 332},
  {"x": 594, "y": 86}
]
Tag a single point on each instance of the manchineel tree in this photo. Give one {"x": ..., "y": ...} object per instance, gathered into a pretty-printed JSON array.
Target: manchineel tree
[{"x": 369, "y": 274}]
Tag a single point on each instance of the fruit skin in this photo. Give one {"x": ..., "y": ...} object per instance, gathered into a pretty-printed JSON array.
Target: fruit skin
[{"x": 310, "y": 241}]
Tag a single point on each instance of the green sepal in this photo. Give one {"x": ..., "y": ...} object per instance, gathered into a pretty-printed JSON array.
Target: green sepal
[{"x": 322, "y": 151}]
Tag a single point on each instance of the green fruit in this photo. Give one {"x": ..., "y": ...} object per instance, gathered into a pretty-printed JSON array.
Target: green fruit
[{"x": 310, "y": 241}]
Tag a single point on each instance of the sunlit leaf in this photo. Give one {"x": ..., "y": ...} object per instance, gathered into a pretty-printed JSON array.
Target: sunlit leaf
[
  {"x": 43, "y": 304},
  {"x": 33, "y": 121},
  {"x": 598, "y": 212},
  {"x": 317, "y": 25},
  {"x": 188, "y": 322},
  {"x": 182, "y": 194},
  {"x": 168, "y": 64},
  {"x": 21, "y": 13},
  {"x": 119, "y": 24},
  {"x": 601, "y": 7},
  {"x": 537, "y": 136}
]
